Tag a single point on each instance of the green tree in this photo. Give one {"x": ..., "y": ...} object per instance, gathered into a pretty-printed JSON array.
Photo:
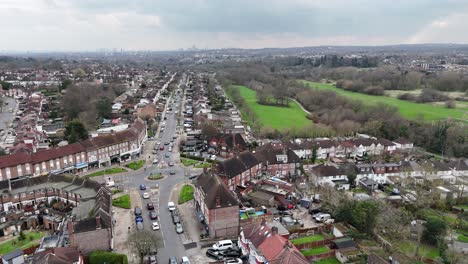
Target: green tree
[
  {"x": 104, "y": 107},
  {"x": 314, "y": 155},
  {"x": 352, "y": 178},
  {"x": 434, "y": 230},
  {"x": 65, "y": 83},
  {"x": 5, "y": 85},
  {"x": 75, "y": 131}
]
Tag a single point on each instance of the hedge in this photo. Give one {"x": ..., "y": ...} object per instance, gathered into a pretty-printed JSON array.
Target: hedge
[{"x": 101, "y": 257}]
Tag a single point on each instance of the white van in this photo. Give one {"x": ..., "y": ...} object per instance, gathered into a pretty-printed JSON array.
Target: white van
[
  {"x": 110, "y": 182},
  {"x": 322, "y": 217},
  {"x": 223, "y": 245}
]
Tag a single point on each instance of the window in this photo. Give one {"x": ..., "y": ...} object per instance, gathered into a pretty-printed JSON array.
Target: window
[
  {"x": 28, "y": 168},
  {"x": 43, "y": 166},
  {"x": 51, "y": 163},
  {"x": 8, "y": 173},
  {"x": 20, "y": 170}
]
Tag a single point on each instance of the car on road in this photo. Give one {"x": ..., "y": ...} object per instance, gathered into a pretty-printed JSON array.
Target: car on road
[
  {"x": 153, "y": 215},
  {"x": 138, "y": 211},
  {"x": 161, "y": 147},
  {"x": 171, "y": 206},
  {"x": 170, "y": 163},
  {"x": 139, "y": 225},
  {"x": 173, "y": 260},
  {"x": 179, "y": 229},
  {"x": 169, "y": 149},
  {"x": 172, "y": 172},
  {"x": 185, "y": 260},
  {"x": 146, "y": 195},
  {"x": 167, "y": 155},
  {"x": 142, "y": 187},
  {"x": 174, "y": 137},
  {"x": 155, "y": 226},
  {"x": 166, "y": 143},
  {"x": 155, "y": 161},
  {"x": 150, "y": 206},
  {"x": 154, "y": 152},
  {"x": 172, "y": 140}
]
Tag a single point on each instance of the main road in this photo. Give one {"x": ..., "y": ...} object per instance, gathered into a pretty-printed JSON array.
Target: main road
[{"x": 172, "y": 242}]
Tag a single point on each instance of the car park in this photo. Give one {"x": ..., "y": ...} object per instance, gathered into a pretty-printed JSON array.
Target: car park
[
  {"x": 153, "y": 215},
  {"x": 146, "y": 195},
  {"x": 155, "y": 226},
  {"x": 150, "y": 206},
  {"x": 179, "y": 229}
]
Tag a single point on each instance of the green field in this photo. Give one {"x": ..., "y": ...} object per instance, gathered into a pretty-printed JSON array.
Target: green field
[
  {"x": 186, "y": 194},
  {"x": 407, "y": 109},
  {"x": 275, "y": 116}
]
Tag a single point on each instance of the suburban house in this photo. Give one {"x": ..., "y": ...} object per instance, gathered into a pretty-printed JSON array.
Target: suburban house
[
  {"x": 216, "y": 205},
  {"x": 59, "y": 255},
  {"x": 279, "y": 162},
  {"x": 330, "y": 175},
  {"x": 239, "y": 170},
  {"x": 263, "y": 244},
  {"x": 403, "y": 144},
  {"x": 227, "y": 145}
]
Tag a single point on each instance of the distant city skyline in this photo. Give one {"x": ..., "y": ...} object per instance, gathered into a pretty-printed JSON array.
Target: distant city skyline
[{"x": 88, "y": 25}]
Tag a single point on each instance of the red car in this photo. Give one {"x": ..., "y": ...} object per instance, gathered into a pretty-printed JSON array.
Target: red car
[{"x": 161, "y": 147}]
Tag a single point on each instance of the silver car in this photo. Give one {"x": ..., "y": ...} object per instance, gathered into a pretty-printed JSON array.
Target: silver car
[{"x": 179, "y": 229}]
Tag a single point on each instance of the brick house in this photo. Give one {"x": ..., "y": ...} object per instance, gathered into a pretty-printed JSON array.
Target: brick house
[
  {"x": 279, "y": 162},
  {"x": 239, "y": 170},
  {"x": 217, "y": 206},
  {"x": 228, "y": 145}
]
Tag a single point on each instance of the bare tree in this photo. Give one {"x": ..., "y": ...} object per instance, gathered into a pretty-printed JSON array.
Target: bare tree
[{"x": 143, "y": 243}]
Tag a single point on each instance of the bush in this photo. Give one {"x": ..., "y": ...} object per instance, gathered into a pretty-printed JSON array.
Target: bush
[
  {"x": 101, "y": 257},
  {"x": 407, "y": 97},
  {"x": 374, "y": 90},
  {"x": 450, "y": 104}
]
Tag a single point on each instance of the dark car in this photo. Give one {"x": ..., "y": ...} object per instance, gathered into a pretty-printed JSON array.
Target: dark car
[
  {"x": 231, "y": 254},
  {"x": 314, "y": 211},
  {"x": 153, "y": 215},
  {"x": 142, "y": 187},
  {"x": 172, "y": 172},
  {"x": 138, "y": 218},
  {"x": 166, "y": 143},
  {"x": 175, "y": 219},
  {"x": 172, "y": 260},
  {"x": 137, "y": 211},
  {"x": 161, "y": 147},
  {"x": 216, "y": 255},
  {"x": 150, "y": 206}
]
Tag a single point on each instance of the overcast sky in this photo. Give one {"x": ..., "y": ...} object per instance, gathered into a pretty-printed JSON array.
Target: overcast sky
[{"x": 76, "y": 25}]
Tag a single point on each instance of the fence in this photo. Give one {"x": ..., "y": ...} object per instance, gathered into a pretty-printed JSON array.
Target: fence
[
  {"x": 331, "y": 253},
  {"x": 319, "y": 243},
  {"x": 30, "y": 250}
]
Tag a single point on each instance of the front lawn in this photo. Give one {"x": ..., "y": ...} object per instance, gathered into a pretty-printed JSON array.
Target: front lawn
[
  {"x": 307, "y": 239},
  {"x": 135, "y": 165},
  {"x": 107, "y": 171},
  {"x": 186, "y": 194},
  {"x": 122, "y": 201},
  {"x": 332, "y": 260},
  {"x": 315, "y": 251},
  {"x": 31, "y": 239}
]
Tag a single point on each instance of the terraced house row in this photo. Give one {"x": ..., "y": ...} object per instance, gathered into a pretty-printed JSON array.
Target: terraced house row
[{"x": 96, "y": 151}]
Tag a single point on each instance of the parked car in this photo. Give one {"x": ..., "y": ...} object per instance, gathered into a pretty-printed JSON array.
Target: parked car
[
  {"x": 152, "y": 259},
  {"x": 146, "y": 195},
  {"x": 150, "y": 206},
  {"x": 179, "y": 229},
  {"x": 166, "y": 143},
  {"x": 175, "y": 219},
  {"x": 223, "y": 245},
  {"x": 138, "y": 211},
  {"x": 233, "y": 261},
  {"x": 171, "y": 206},
  {"x": 155, "y": 226},
  {"x": 139, "y": 225},
  {"x": 322, "y": 217},
  {"x": 153, "y": 215},
  {"x": 172, "y": 172},
  {"x": 167, "y": 155},
  {"x": 161, "y": 147},
  {"x": 170, "y": 163},
  {"x": 138, "y": 218},
  {"x": 154, "y": 152},
  {"x": 155, "y": 161},
  {"x": 214, "y": 254},
  {"x": 185, "y": 260},
  {"x": 231, "y": 254},
  {"x": 142, "y": 187},
  {"x": 172, "y": 260}
]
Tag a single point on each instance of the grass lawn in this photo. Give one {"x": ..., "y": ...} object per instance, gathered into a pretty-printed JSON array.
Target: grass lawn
[
  {"x": 186, "y": 194},
  {"x": 315, "y": 251},
  {"x": 203, "y": 165},
  {"x": 307, "y": 239},
  {"x": 409, "y": 248},
  {"x": 332, "y": 260},
  {"x": 155, "y": 176},
  {"x": 462, "y": 238},
  {"x": 13, "y": 244},
  {"x": 122, "y": 201},
  {"x": 276, "y": 117},
  {"x": 407, "y": 109},
  {"x": 136, "y": 164},
  {"x": 188, "y": 162},
  {"x": 114, "y": 191},
  {"x": 107, "y": 171}
]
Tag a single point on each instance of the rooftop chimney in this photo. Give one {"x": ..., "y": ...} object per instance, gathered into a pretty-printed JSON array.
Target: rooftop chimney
[{"x": 98, "y": 222}]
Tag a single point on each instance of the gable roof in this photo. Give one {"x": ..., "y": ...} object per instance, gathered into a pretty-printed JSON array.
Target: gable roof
[
  {"x": 61, "y": 255},
  {"x": 268, "y": 153},
  {"x": 323, "y": 170},
  {"x": 217, "y": 194},
  {"x": 237, "y": 164}
]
